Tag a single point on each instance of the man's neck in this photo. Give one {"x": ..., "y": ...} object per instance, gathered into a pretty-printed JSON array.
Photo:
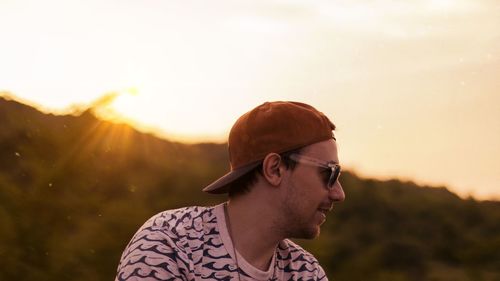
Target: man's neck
[{"x": 252, "y": 232}]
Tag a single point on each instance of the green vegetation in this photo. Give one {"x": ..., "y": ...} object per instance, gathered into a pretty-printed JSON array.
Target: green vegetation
[{"x": 74, "y": 189}]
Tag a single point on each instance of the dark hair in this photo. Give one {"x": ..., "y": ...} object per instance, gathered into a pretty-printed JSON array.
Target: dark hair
[{"x": 244, "y": 183}]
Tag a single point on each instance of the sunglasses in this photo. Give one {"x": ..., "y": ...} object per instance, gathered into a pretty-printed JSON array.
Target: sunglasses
[{"x": 333, "y": 168}]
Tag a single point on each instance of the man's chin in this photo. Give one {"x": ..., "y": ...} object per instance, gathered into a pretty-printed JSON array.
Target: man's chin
[{"x": 308, "y": 233}]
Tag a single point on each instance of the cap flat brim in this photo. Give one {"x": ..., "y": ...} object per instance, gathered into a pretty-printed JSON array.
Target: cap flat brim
[{"x": 220, "y": 186}]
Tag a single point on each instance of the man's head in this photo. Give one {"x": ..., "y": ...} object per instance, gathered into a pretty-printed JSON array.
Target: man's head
[
  {"x": 272, "y": 127},
  {"x": 288, "y": 148}
]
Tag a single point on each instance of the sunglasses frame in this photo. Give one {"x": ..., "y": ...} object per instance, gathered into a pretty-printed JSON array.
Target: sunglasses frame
[{"x": 334, "y": 168}]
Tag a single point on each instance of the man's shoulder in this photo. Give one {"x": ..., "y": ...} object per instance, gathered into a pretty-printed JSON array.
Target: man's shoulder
[
  {"x": 180, "y": 219},
  {"x": 291, "y": 252},
  {"x": 162, "y": 245},
  {"x": 298, "y": 262},
  {"x": 176, "y": 228}
]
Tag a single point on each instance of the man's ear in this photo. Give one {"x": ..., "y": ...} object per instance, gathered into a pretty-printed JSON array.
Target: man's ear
[{"x": 272, "y": 170}]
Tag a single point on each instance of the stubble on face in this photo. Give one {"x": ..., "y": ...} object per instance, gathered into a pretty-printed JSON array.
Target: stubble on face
[
  {"x": 298, "y": 217},
  {"x": 306, "y": 202}
]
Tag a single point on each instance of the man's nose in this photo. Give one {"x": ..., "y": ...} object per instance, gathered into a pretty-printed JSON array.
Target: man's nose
[{"x": 337, "y": 192}]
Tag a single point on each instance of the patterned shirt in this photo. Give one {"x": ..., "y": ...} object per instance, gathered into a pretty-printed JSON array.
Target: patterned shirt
[{"x": 193, "y": 243}]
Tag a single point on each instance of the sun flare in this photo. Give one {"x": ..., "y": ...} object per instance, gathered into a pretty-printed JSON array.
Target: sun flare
[
  {"x": 125, "y": 105},
  {"x": 122, "y": 107},
  {"x": 133, "y": 106}
]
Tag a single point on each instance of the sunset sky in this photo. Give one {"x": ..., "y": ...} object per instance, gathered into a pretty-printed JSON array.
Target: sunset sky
[{"x": 413, "y": 86}]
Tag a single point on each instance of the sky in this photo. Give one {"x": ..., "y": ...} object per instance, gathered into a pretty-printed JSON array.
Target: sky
[{"x": 412, "y": 86}]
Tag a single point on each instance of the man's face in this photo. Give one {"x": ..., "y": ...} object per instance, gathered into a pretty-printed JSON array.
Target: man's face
[{"x": 308, "y": 198}]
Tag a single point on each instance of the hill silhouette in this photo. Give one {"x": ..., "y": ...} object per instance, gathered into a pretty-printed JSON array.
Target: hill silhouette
[{"x": 74, "y": 189}]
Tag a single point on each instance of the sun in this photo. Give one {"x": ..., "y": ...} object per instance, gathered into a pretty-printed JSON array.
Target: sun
[
  {"x": 124, "y": 106},
  {"x": 133, "y": 107}
]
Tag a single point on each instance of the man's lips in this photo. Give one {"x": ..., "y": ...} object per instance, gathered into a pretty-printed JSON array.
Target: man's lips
[{"x": 325, "y": 210}]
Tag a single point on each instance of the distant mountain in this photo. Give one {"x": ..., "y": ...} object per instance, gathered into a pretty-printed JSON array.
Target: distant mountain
[{"x": 74, "y": 189}]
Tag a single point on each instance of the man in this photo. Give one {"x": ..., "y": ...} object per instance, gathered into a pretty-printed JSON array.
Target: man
[{"x": 283, "y": 182}]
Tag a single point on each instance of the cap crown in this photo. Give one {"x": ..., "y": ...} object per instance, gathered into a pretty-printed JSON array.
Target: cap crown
[{"x": 276, "y": 127}]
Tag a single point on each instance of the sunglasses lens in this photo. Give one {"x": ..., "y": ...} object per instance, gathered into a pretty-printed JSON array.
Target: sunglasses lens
[{"x": 335, "y": 173}]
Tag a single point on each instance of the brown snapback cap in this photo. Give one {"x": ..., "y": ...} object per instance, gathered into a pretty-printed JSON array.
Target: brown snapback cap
[{"x": 272, "y": 127}]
